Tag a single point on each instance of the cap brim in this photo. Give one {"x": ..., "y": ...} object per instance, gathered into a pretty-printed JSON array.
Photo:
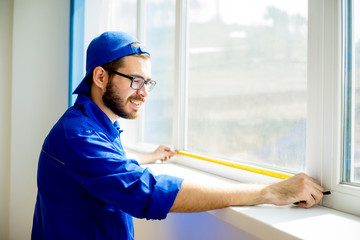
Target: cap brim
[{"x": 83, "y": 87}]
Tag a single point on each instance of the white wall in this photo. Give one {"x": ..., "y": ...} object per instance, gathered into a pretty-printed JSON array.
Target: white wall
[
  {"x": 6, "y": 10},
  {"x": 189, "y": 226},
  {"x": 40, "y": 60}
]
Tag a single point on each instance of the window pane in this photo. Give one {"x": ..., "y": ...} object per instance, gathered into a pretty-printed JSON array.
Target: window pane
[
  {"x": 160, "y": 39},
  {"x": 356, "y": 22},
  {"x": 109, "y": 15},
  {"x": 248, "y": 81},
  {"x": 351, "y": 128},
  {"x": 121, "y": 16}
]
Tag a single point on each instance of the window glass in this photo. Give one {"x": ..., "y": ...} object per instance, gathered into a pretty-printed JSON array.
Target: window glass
[
  {"x": 109, "y": 15},
  {"x": 351, "y": 106},
  {"x": 248, "y": 81},
  {"x": 118, "y": 16},
  {"x": 356, "y": 23},
  {"x": 351, "y": 156},
  {"x": 160, "y": 42}
]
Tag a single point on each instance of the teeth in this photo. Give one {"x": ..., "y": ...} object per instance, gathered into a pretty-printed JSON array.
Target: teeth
[{"x": 136, "y": 102}]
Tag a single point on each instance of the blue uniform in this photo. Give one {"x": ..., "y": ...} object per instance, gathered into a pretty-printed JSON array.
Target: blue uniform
[{"x": 87, "y": 188}]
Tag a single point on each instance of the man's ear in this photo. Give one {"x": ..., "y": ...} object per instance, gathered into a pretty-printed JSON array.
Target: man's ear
[{"x": 100, "y": 77}]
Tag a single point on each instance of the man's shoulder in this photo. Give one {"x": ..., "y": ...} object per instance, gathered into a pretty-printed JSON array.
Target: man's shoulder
[{"x": 74, "y": 121}]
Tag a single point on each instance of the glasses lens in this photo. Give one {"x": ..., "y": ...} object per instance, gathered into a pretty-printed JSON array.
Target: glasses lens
[
  {"x": 137, "y": 83},
  {"x": 150, "y": 85}
]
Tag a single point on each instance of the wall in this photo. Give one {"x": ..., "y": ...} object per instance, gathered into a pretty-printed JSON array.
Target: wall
[
  {"x": 189, "y": 226},
  {"x": 6, "y": 10},
  {"x": 39, "y": 96}
]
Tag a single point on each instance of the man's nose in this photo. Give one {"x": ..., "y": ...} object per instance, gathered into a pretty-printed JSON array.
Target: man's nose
[{"x": 143, "y": 91}]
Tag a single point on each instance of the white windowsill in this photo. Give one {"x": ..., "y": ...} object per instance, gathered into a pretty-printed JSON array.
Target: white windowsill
[{"x": 272, "y": 222}]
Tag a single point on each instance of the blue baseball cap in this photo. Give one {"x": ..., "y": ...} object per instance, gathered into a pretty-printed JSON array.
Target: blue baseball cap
[{"x": 106, "y": 48}]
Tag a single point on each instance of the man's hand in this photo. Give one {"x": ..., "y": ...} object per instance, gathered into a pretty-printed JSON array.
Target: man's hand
[
  {"x": 162, "y": 153},
  {"x": 299, "y": 188}
]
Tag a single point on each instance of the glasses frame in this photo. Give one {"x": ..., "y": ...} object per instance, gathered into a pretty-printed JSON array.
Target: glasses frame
[{"x": 149, "y": 84}]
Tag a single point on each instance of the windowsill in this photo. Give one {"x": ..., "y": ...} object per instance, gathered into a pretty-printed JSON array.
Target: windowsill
[{"x": 286, "y": 222}]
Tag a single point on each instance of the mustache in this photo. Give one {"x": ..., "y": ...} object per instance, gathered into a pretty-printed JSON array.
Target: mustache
[{"x": 137, "y": 98}]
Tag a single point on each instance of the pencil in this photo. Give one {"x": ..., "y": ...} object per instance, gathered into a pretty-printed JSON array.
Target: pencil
[{"x": 324, "y": 193}]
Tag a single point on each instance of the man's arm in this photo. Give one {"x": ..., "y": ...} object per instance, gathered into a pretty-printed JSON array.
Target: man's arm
[{"x": 196, "y": 197}]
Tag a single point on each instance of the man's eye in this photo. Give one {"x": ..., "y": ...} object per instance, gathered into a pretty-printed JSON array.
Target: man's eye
[{"x": 137, "y": 80}]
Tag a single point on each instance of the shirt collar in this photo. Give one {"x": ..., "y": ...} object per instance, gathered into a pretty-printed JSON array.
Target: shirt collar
[{"x": 90, "y": 109}]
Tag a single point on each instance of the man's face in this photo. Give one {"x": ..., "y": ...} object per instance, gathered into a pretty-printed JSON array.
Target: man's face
[{"x": 119, "y": 97}]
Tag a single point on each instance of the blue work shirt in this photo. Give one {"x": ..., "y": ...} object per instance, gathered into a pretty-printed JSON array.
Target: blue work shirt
[{"x": 87, "y": 188}]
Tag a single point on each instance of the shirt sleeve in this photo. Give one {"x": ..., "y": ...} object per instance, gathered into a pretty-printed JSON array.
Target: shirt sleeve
[{"x": 104, "y": 171}]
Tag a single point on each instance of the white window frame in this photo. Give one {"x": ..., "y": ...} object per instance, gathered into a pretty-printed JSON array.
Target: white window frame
[
  {"x": 324, "y": 116},
  {"x": 344, "y": 197}
]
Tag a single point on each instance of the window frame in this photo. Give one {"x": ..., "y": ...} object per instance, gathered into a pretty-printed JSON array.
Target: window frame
[{"x": 344, "y": 197}]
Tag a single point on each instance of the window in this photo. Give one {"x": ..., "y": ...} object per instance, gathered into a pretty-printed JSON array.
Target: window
[
  {"x": 160, "y": 41},
  {"x": 271, "y": 84},
  {"x": 351, "y": 74},
  {"x": 247, "y": 82},
  {"x": 356, "y": 37}
]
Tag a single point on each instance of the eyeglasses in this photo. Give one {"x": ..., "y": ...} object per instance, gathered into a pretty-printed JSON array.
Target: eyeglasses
[{"x": 136, "y": 82}]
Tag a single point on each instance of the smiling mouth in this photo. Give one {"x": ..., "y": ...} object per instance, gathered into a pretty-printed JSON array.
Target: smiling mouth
[{"x": 136, "y": 102}]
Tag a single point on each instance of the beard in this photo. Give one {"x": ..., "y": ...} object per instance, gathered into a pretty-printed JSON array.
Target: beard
[{"x": 117, "y": 104}]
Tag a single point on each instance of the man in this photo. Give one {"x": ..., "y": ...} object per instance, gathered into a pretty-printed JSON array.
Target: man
[{"x": 89, "y": 189}]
